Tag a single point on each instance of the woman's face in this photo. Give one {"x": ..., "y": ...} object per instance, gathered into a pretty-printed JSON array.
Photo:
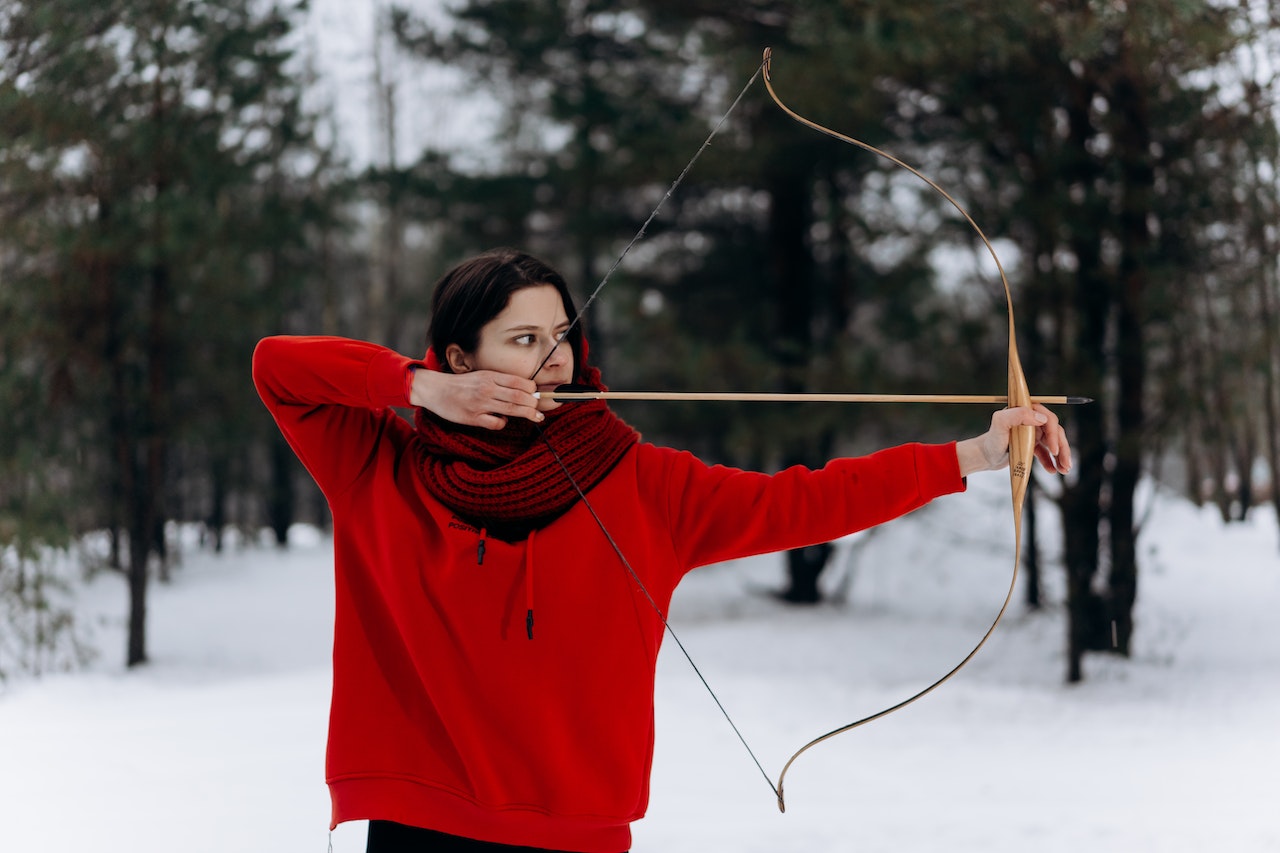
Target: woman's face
[{"x": 517, "y": 340}]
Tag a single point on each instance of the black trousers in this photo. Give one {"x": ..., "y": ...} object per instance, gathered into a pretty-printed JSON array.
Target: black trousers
[{"x": 388, "y": 837}]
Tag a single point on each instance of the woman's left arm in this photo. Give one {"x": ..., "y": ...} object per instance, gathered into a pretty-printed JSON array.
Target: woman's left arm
[{"x": 716, "y": 513}]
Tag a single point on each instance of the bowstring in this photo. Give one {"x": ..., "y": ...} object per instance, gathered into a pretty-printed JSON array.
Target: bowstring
[
  {"x": 658, "y": 610},
  {"x": 577, "y": 319}
]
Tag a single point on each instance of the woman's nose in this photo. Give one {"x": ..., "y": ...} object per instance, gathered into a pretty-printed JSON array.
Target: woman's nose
[{"x": 559, "y": 354}]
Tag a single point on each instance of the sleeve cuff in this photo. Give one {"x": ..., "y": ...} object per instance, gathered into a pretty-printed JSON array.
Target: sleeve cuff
[
  {"x": 389, "y": 379},
  {"x": 938, "y": 470}
]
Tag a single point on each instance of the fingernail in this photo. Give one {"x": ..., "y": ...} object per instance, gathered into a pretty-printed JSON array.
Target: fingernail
[
  {"x": 538, "y": 416},
  {"x": 1041, "y": 418}
]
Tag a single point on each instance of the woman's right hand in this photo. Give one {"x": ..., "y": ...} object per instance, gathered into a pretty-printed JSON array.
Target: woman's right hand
[{"x": 480, "y": 398}]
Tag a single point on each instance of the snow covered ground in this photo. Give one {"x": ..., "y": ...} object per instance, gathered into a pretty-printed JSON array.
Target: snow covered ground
[{"x": 219, "y": 744}]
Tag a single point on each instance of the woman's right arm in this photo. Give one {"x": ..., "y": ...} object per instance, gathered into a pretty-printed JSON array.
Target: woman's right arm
[
  {"x": 480, "y": 398},
  {"x": 331, "y": 399}
]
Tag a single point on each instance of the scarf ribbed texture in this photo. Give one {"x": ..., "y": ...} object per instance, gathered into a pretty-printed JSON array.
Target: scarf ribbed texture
[{"x": 507, "y": 481}]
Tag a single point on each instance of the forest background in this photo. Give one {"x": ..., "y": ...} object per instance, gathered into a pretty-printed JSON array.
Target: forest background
[{"x": 174, "y": 185}]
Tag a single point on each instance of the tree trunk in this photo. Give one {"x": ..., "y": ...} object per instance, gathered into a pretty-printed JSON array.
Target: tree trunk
[
  {"x": 160, "y": 547},
  {"x": 1269, "y": 297},
  {"x": 1082, "y": 501},
  {"x": 1081, "y": 518},
  {"x": 384, "y": 320},
  {"x": 804, "y": 567},
  {"x": 1134, "y": 157},
  {"x": 1122, "y": 580},
  {"x": 1246, "y": 451},
  {"x": 139, "y": 550},
  {"x": 146, "y": 511},
  {"x": 126, "y": 477},
  {"x": 219, "y": 474},
  {"x": 790, "y": 214},
  {"x": 105, "y": 291},
  {"x": 282, "y": 500},
  {"x": 1030, "y": 550}
]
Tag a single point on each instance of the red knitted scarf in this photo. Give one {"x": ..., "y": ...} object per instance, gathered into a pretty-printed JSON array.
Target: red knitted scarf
[{"x": 507, "y": 481}]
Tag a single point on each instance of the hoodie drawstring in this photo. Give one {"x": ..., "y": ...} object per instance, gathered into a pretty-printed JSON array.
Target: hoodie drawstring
[
  {"x": 528, "y": 585},
  {"x": 528, "y": 575}
]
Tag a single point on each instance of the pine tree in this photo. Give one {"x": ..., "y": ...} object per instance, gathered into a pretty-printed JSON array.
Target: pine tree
[{"x": 140, "y": 140}]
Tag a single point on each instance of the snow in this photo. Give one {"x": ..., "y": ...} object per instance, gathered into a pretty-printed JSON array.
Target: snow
[{"x": 218, "y": 745}]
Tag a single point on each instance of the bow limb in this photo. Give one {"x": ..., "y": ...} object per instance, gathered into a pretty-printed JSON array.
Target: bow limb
[{"x": 1021, "y": 439}]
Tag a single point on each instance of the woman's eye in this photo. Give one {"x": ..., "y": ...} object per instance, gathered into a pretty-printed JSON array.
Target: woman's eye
[{"x": 526, "y": 340}]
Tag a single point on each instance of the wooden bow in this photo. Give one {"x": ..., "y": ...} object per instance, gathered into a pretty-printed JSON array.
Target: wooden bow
[
  {"x": 1022, "y": 440},
  {"x": 1021, "y": 447}
]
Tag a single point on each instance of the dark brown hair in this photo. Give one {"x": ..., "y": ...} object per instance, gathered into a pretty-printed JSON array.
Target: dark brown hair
[{"x": 477, "y": 290}]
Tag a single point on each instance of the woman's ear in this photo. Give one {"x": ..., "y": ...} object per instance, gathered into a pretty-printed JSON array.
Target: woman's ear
[{"x": 457, "y": 359}]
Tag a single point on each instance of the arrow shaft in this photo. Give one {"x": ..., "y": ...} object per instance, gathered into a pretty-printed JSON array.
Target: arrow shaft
[{"x": 766, "y": 397}]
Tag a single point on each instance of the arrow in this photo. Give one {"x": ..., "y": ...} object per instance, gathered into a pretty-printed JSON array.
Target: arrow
[{"x": 765, "y": 397}]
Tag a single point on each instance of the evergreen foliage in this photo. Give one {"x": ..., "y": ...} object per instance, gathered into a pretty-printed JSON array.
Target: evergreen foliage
[
  {"x": 1104, "y": 145},
  {"x": 145, "y": 149},
  {"x": 165, "y": 202}
]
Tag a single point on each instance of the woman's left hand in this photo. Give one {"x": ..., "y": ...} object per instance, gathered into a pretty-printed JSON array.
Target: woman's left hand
[{"x": 990, "y": 451}]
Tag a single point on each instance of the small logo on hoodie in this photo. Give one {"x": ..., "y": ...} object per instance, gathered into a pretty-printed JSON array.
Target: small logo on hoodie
[{"x": 457, "y": 523}]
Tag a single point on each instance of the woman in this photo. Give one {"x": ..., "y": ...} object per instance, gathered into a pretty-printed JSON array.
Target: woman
[{"x": 493, "y": 658}]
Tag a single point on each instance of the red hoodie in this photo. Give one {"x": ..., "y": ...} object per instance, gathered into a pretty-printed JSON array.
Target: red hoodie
[{"x": 445, "y": 714}]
